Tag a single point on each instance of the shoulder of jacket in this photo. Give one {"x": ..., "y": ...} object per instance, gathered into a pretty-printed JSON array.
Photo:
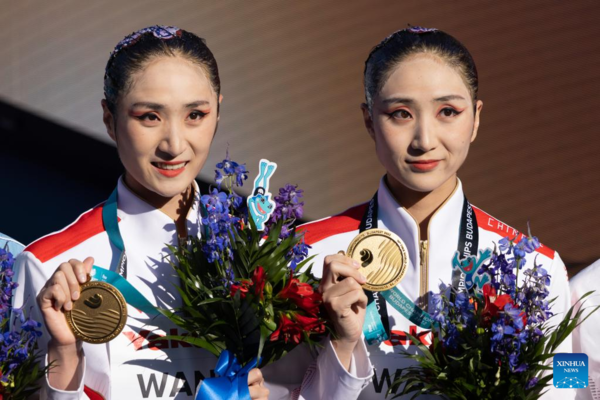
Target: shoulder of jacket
[
  {"x": 490, "y": 224},
  {"x": 346, "y": 221},
  {"x": 85, "y": 226},
  {"x": 587, "y": 277}
]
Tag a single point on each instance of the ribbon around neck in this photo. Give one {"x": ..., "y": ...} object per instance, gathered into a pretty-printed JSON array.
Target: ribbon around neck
[{"x": 231, "y": 382}]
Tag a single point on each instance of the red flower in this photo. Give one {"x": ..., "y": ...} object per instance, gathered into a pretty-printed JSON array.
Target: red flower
[
  {"x": 303, "y": 295},
  {"x": 311, "y": 303},
  {"x": 242, "y": 287},
  {"x": 258, "y": 279},
  {"x": 310, "y": 324},
  {"x": 494, "y": 304},
  {"x": 288, "y": 331}
]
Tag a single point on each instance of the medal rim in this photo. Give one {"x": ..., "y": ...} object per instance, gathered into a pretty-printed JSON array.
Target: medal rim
[
  {"x": 122, "y": 305},
  {"x": 403, "y": 250}
]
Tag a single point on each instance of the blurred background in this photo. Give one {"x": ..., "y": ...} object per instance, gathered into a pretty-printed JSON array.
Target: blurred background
[{"x": 291, "y": 75}]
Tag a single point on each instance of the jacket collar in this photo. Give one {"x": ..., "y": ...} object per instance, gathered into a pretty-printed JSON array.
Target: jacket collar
[
  {"x": 443, "y": 228},
  {"x": 147, "y": 218}
]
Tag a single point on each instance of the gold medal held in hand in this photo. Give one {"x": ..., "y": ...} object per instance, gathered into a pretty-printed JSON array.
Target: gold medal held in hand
[
  {"x": 383, "y": 257},
  {"x": 99, "y": 314}
]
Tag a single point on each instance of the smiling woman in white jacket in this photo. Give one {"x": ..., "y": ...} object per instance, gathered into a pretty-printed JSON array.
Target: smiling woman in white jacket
[
  {"x": 422, "y": 111},
  {"x": 161, "y": 107}
]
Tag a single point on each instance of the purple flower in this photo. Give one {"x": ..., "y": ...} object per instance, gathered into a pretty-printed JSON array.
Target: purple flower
[
  {"x": 215, "y": 202},
  {"x": 288, "y": 208},
  {"x": 231, "y": 172},
  {"x": 298, "y": 254},
  {"x": 500, "y": 330},
  {"x": 532, "y": 382},
  {"x": 505, "y": 244}
]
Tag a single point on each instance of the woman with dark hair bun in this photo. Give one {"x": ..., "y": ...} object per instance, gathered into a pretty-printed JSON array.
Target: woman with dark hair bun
[
  {"x": 422, "y": 111},
  {"x": 161, "y": 108}
]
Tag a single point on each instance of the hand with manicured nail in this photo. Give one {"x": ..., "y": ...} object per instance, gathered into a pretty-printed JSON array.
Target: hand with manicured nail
[
  {"x": 57, "y": 296},
  {"x": 345, "y": 302}
]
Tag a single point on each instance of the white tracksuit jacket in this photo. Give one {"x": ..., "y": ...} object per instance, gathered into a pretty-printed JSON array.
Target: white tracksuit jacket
[
  {"x": 132, "y": 368},
  {"x": 425, "y": 271},
  {"x": 586, "y": 337}
]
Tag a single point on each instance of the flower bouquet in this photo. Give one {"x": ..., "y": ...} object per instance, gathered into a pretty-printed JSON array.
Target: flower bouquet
[
  {"x": 493, "y": 342},
  {"x": 248, "y": 293},
  {"x": 19, "y": 368}
]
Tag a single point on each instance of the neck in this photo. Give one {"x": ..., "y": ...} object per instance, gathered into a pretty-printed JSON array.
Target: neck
[
  {"x": 176, "y": 207},
  {"x": 421, "y": 205}
]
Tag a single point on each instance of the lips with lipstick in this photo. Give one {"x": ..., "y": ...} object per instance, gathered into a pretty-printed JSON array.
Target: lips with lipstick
[
  {"x": 423, "y": 165},
  {"x": 170, "y": 169}
]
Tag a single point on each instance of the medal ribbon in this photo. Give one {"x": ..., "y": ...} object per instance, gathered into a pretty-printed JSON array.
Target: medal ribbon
[
  {"x": 376, "y": 327},
  {"x": 132, "y": 296},
  {"x": 118, "y": 278}
]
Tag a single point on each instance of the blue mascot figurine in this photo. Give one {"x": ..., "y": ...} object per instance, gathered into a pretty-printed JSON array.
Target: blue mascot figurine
[
  {"x": 260, "y": 204},
  {"x": 469, "y": 266}
]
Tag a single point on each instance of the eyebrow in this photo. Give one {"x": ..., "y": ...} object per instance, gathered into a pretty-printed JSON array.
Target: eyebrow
[
  {"x": 449, "y": 97},
  {"x": 406, "y": 100},
  {"x": 197, "y": 103},
  {"x": 152, "y": 106},
  {"x": 393, "y": 100},
  {"x": 158, "y": 107}
]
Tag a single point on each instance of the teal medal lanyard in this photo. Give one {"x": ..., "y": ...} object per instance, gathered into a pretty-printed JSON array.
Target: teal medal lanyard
[
  {"x": 376, "y": 328},
  {"x": 118, "y": 277}
]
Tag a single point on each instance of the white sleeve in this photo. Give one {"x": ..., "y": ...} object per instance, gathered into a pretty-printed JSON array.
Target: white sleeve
[
  {"x": 31, "y": 277},
  {"x": 559, "y": 289},
  {"x": 327, "y": 378},
  {"x": 50, "y": 393},
  {"x": 302, "y": 374},
  {"x": 585, "y": 337}
]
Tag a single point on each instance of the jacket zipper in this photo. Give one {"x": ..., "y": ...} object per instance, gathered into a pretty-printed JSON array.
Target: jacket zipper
[{"x": 424, "y": 268}]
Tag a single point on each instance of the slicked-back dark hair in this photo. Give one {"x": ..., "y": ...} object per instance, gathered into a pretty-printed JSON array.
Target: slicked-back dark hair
[
  {"x": 400, "y": 45},
  {"x": 134, "y": 56}
]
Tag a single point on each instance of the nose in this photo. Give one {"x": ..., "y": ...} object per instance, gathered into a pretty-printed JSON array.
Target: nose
[
  {"x": 173, "y": 141},
  {"x": 424, "y": 138}
]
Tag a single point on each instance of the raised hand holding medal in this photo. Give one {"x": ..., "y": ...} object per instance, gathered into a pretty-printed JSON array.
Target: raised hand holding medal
[{"x": 99, "y": 314}]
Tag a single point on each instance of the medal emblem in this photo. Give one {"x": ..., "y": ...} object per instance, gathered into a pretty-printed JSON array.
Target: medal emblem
[
  {"x": 99, "y": 314},
  {"x": 383, "y": 257}
]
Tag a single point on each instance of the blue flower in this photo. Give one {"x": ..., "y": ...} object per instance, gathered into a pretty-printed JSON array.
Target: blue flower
[
  {"x": 505, "y": 244},
  {"x": 298, "y": 254},
  {"x": 215, "y": 202},
  {"x": 532, "y": 382},
  {"x": 288, "y": 208},
  {"x": 500, "y": 330},
  {"x": 219, "y": 178},
  {"x": 231, "y": 171}
]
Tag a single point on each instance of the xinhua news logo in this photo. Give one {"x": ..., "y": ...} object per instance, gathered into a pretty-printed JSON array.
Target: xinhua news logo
[{"x": 570, "y": 371}]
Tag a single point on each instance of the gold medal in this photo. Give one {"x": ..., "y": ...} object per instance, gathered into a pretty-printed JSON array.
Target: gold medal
[
  {"x": 99, "y": 314},
  {"x": 383, "y": 256}
]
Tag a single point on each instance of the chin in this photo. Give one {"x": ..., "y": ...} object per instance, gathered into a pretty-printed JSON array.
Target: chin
[
  {"x": 423, "y": 183},
  {"x": 169, "y": 189}
]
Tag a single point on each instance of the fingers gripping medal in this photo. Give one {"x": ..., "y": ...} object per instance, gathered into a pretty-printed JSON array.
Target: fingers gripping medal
[
  {"x": 100, "y": 313},
  {"x": 383, "y": 257}
]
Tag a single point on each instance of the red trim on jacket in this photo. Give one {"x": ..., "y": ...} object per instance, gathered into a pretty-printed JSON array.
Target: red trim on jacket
[
  {"x": 92, "y": 394},
  {"x": 347, "y": 221},
  {"x": 87, "y": 225},
  {"x": 491, "y": 224}
]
